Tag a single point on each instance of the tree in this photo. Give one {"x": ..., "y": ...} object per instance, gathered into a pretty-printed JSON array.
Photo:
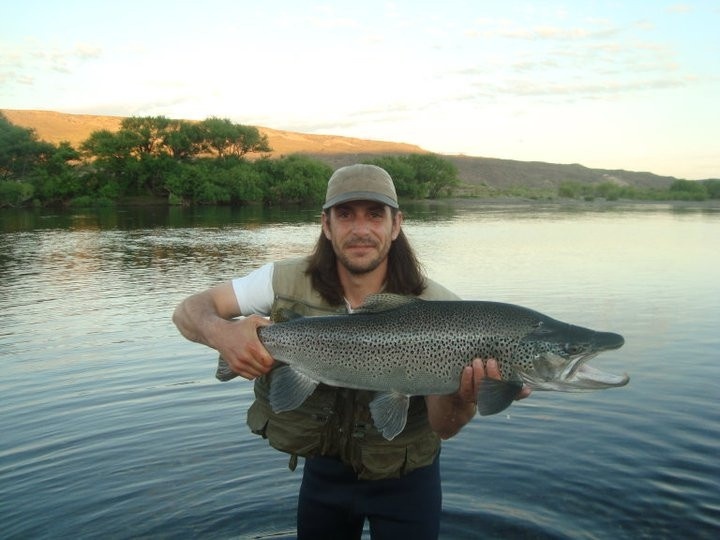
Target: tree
[
  {"x": 56, "y": 180},
  {"x": 225, "y": 138},
  {"x": 184, "y": 140},
  {"x": 32, "y": 169},
  {"x": 113, "y": 160},
  {"x": 688, "y": 190},
  {"x": 713, "y": 188},
  {"x": 293, "y": 179},
  {"x": 420, "y": 175},
  {"x": 213, "y": 181},
  {"x": 109, "y": 147},
  {"x": 149, "y": 133},
  {"x": 439, "y": 175},
  {"x": 20, "y": 151},
  {"x": 403, "y": 175}
]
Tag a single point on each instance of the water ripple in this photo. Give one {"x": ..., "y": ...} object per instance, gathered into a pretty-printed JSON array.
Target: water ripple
[{"x": 112, "y": 425}]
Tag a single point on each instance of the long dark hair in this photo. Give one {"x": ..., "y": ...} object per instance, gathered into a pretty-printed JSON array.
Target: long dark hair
[{"x": 404, "y": 276}]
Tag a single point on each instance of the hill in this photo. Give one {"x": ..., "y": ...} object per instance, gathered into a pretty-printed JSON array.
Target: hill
[
  {"x": 337, "y": 151},
  {"x": 56, "y": 127}
]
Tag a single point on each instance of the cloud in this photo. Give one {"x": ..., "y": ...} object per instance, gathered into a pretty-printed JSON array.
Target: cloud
[
  {"x": 326, "y": 17},
  {"x": 23, "y": 63},
  {"x": 679, "y": 8},
  {"x": 86, "y": 51},
  {"x": 554, "y": 33},
  {"x": 594, "y": 61},
  {"x": 589, "y": 89}
]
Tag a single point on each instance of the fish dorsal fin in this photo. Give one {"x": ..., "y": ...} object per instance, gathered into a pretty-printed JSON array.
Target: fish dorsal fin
[
  {"x": 389, "y": 413},
  {"x": 284, "y": 315},
  {"x": 289, "y": 388},
  {"x": 376, "y": 303}
]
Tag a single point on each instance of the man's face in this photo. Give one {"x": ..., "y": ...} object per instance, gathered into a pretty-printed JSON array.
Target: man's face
[{"x": 361, "y": 233}]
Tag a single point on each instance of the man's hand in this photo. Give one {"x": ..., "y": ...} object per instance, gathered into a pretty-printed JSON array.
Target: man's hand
[
  {"x": 448, "y": 414},
  {"x": 473, "y": 374},
  {"x": 207, "y": 318},
  {"x": 240, "y": 346}
]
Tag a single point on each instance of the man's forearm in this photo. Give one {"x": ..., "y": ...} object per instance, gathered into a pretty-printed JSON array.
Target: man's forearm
[
  {"x": 203, "y": 317},
  {"x": 197, "y": 319}
]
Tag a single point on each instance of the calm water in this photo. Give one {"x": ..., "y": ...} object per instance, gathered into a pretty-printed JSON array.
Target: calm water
[{"x": 112, "y": 425}]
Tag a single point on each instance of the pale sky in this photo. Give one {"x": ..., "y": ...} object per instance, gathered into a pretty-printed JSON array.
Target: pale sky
[{"x": 631, "y": 84}]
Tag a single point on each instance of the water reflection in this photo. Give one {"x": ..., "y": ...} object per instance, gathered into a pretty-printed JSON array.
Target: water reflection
[{"x": 145, "y": 217}]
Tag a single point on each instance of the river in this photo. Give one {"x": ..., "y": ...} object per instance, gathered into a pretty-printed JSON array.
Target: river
[{"x": 113, "y": 426}]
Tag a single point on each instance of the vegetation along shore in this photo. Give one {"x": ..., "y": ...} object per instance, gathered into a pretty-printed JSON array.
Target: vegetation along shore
[{"x": 111, "y": 160}]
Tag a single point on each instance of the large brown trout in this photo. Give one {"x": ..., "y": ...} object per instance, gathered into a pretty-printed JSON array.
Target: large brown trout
[{"x": 402, "y": 346}]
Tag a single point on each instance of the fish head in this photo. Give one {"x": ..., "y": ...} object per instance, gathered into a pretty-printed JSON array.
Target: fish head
[{"x": 559, "y": 354}]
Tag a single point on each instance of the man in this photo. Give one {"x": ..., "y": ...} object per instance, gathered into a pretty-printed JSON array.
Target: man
[{"x": 351, "y": 472}]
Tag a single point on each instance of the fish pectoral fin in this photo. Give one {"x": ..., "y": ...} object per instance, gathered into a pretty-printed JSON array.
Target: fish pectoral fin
[
  {"x": 389, "y": 413},
  {"x": 289, "y": 388},
  {"x": 223, "y": 371},
  {"x": 495, "y": 396}
]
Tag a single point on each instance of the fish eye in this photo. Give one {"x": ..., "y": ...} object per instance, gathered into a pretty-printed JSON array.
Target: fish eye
[{"x": 573, "y": 348}]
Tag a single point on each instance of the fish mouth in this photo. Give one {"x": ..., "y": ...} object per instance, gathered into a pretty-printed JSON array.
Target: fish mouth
[
  {"x": 582, "y": 376},
  {"x": 578, "y": 375},
  {"x": 567, "y": 370},
  {"x": 560, "y": 373}
]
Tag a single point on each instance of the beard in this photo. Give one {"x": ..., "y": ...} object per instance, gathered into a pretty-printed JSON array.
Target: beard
[{"x": 362, "y": 266}]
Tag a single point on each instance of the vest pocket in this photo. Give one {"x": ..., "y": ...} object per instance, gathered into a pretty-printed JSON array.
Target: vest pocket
[
  {"x": 382, "y": 462},
  {"x": 294, "y": 433},
  {"x": 396, "y": 458}
]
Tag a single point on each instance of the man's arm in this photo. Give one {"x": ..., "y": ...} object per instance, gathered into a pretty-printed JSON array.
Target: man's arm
[
  {"x": 206, "y": 318},
  {"x": 447, "y": 414}
]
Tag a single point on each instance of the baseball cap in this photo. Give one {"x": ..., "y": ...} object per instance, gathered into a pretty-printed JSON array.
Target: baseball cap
[{"x": 360, "y": 182}]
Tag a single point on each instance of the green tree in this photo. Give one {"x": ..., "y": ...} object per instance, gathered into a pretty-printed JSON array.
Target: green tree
[
  {"x": 112, "y": 161},
  {"x": 144, "y": 156},
  {"x": 419, "y": 176},
  {"x": 293, "y": 179},
  {"x": 225, "y": 138},
  {"x": 688, "y": 190},
  {"x": 111, "y": 147},
  {"x": 403, "y": 175},
  {"x": 20, "y": 151},
  {"x": 184, "y": 140},
  {"x": 57, "y": 180},
  {"x": 34, "y": 170},
  {"x": 149, "y": 134},
  {"x": 14, "y": 193},
  {"x": 439, "y": 175},
  {"x": 574, "y": 190},
  {"x": 214, "y": 181},
  {"x": 608, "y": 191},
  {"x": 713, "y": 188}
]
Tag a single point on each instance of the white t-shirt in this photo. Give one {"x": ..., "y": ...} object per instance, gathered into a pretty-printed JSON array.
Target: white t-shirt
[{"x": 254, "y": 292}]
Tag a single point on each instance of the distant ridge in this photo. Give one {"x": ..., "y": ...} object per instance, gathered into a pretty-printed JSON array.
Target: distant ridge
[
  {"x": 56, "y": 127},
  {"x": 337, "y": 151}
]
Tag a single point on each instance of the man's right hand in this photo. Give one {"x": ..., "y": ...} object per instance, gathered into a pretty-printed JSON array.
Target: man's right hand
[
  {"x": 239, "y": 345},
  {"x": 208, "y": 318}
]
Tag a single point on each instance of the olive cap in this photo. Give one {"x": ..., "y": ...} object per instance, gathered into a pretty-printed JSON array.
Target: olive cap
[{"x": 360, "y": 182}]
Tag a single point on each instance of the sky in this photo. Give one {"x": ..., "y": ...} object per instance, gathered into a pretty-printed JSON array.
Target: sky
[{"x": 632, "y": 84}]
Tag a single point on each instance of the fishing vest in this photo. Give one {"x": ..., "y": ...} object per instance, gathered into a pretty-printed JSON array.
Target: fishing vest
[{"x": 336, "y": 421}]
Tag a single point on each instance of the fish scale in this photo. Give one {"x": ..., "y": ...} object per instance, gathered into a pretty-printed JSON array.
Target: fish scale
[{"x": 402, "y": 346}]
